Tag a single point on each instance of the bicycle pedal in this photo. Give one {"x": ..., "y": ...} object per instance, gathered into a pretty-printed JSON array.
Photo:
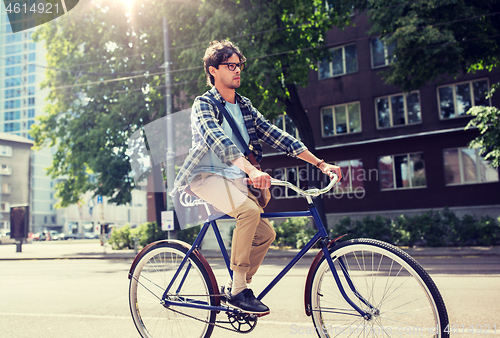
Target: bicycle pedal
[{"x": 261, "y": 314}]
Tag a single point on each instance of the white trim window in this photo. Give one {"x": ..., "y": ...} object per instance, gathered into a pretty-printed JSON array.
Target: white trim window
[
  {"x": 5, "y": 207},
  {"x": 402, "y": 171},
  {"x": 353, "y": 177},
  {"x": 6, "y": 169},
  {"x": 341, "y": 119},
  {"x": 295, "y": 175},
  {"x": 6, "y": 151},
  {"x": 466, "y": 166},
  {"x": 6, "y": 188},
  {"x": 398, "y": 110},
  {"x": 344, "y": 61},
  {"x": 455, "y": 100},
  {"x": 381, "y": 54},
  {"x": 285, "y": 123}
]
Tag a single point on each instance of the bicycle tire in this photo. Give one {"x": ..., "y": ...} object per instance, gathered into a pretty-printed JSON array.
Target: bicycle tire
[
  {"x": 405, "y": 299},
  {"x": 150, "y": 278}
]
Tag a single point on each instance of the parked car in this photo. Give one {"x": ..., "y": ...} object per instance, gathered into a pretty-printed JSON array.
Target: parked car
[
  {"x": 5, "y": 238},
  {"x": 39, "y": 236},
  {"x": 56, "y": 235}
]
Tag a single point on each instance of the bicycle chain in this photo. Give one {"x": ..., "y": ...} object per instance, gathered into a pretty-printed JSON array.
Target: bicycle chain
[{"x": 213, "y": 324}]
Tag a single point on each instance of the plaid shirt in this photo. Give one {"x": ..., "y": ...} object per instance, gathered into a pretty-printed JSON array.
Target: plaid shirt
[{"x": 206, "y": 123}]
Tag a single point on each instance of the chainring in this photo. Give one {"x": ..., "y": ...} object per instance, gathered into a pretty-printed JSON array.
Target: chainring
[{"x": 242, "y": 322}]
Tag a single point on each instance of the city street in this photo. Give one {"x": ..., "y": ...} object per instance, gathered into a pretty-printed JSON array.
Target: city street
[{"x": 89, "y": 297}]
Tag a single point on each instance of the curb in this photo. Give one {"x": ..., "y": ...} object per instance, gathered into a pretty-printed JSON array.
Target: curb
[{"x": 463, "y": 252}]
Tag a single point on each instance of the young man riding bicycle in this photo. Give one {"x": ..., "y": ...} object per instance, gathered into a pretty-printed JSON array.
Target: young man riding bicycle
[{"x": 216, "y": 168}]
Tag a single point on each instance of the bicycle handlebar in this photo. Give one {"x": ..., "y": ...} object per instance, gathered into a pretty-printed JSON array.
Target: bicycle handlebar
[
  {"x": 310, "y": 192},
  {"x": 188, "y": 200}
]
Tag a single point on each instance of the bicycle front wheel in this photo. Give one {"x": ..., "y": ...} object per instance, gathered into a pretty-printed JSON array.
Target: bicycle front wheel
[
  {"x": 151, "y": 277},
  {"x": 397, "y": 293}
]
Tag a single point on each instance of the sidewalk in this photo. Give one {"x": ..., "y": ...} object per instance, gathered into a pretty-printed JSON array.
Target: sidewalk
[{"x": 83, "y": 249}]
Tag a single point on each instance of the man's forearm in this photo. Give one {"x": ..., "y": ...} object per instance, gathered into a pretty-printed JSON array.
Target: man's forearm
[
  {"x": 309, "y": 157},
  {"x": 244, "y": 165}
]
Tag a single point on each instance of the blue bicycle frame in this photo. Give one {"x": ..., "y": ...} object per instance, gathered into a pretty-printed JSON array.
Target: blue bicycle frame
[{"x": 321, "y": 236}]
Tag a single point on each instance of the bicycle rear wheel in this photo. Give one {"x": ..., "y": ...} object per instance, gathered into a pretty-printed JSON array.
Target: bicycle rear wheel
[
  {"x": 150, "y": 278},
  {"x": 399, "y": 295}
]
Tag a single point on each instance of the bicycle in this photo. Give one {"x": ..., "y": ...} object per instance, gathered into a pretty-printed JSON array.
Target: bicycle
[{"x": 364, "y": 285}]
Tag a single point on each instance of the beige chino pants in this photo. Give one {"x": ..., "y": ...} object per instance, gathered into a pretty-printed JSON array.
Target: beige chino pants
[{"x": 253, "y": 235}]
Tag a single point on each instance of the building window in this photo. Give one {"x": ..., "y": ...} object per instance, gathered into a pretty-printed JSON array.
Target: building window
[
  {"x": 465, "y": 166},
  {"x": 31, "y": 101},
  {"x": 32, "y": 46},
  {"x": 6, "y": 188},
  {"x": 344, "y": 61},
  {"x": 381, "y": 54},
  {"x": 285, "y": 123},
  {"x": 295, "y": 175},
  {"x": 457, "y": 99},
  {"x": 31, "y": 112},
  {"x": 5, "y": 207},
  {"x": 10, "y": 38},
  {"x": 6, "y": 151},
  {"x": 31, "y": 79},
  {"x": 9, "y": 93},
  {"x": 31, "y": 90},
  {"x": 12, "y": 71},
  {"x": 31, "y": 68},
  {"x": 12, "y": 115},
  {"x": 13, "y": 82},
  {"x": 397, "y": 110},
  {"x": 13, "y": 126},
  {"x": 30, "y": 123},
  {"x": 12, "y": 104},
  {"x": 53, "y": 219},
  {"x": 32, "y": 57},
  {"x": 353, "y": 176},
  {"x": 341, "y": 119},
  {"x": 13, "y": 60},
  {"x": 6, "y": 169},
  {"x": 402, "y": 171},
  {"x": 13, "y": 49}
]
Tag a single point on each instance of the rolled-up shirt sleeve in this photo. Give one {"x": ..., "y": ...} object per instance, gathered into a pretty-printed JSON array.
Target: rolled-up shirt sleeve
[
  {"x": 275, "y": 137},
  {"x": 207, "y": 126}
]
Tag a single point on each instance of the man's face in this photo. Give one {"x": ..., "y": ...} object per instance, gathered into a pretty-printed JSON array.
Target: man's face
[{"x": 226, "y": 78}]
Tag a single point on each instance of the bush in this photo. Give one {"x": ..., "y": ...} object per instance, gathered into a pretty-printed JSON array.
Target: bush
[
  {"x": 120, "y": 239},
  {"x": 431, "y": 229},
  {"x": 288, "y": 233}
]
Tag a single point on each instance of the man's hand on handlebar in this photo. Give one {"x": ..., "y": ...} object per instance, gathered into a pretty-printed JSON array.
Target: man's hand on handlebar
[
  {"x": 330, "y": 169},
  {"x": 259, "y": 179}
]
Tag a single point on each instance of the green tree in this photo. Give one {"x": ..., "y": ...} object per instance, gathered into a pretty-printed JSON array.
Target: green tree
[
  {"x": 487, "y": 120},
  {"x": 105, "y": 83},
  {"x": 435, "y": 38}
]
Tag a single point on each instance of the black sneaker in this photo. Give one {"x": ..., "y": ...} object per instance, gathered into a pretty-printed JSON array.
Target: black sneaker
[{"x": 246, "y": 301}]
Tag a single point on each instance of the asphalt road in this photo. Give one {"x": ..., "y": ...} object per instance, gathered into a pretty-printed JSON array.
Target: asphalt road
[{"x": 89, "y": 298}]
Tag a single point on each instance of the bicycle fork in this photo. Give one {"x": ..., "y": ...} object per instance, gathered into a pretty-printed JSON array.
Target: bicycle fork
[{"x": 331, "y": 264}]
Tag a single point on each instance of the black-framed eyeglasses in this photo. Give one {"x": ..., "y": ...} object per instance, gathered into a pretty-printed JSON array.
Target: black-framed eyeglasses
[{"x": 232, "y": 65}]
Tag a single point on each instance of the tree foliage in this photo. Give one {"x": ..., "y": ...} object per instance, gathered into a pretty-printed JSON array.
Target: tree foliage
[
  {"x": 435, "y": 38},
  {"x": 105, "y": 82},
  {"x": 487, "y": 120}
]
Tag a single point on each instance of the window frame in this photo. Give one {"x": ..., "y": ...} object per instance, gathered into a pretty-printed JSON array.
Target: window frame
[
  {"x": 394, "y": 173},
  {"x": 284, "y": 117},
  {"x": 386, "y": 55},
  {"x": 453, "y": 87},
  {"x": 6, "y": 169},
  {"x": 391, "y": 111},
  {"x": 5, "y": 151},
  {"x": 344, "y": 66},
  {"x": 286, "y": 195},
  {"x": 335, "y": 119},
  {"x": 461, "y": 168},
  {"x": 337, "y": 189}
]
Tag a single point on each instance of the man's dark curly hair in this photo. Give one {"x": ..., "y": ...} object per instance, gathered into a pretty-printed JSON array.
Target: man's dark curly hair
[{"x": 218, "y": 52}]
